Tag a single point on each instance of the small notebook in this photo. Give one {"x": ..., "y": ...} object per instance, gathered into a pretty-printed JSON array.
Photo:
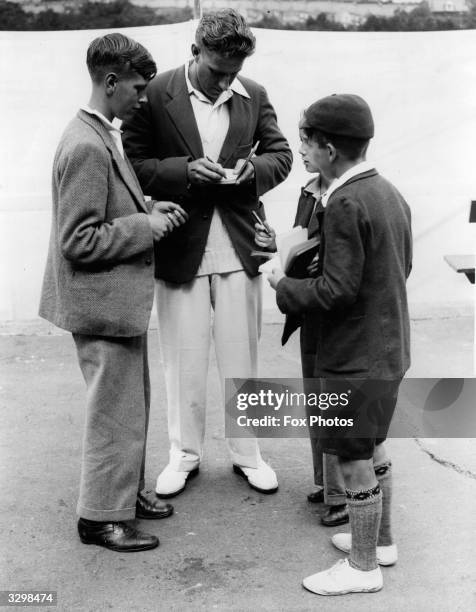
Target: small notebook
[
  {"x": 230, "y": 178},
  {"x": 295, "y": 253},
  {"x": 299, "y": 258}
]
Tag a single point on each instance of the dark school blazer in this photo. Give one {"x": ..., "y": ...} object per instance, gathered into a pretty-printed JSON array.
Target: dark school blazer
[
  {"x": 162, "y": 137},
  {"x": 308, "y": 215},
  {"x": 359, "y": 296}
]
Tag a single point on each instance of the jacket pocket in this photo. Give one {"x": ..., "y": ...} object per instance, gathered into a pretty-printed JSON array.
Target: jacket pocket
[
  {"x": 345, "y": 346},
  {"x": 240, "y": 152}
]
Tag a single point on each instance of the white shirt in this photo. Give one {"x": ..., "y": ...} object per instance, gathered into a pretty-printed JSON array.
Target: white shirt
[
  {"x": 213, "y": 121},
  {"x": 213, "y": 118},
  {"x": 113, "y": 130},
  {"x": 364, "y": 166}
]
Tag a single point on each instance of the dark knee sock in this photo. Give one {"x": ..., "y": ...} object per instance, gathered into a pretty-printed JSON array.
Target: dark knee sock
[
  {"x": 365, "y": 510},
  {"x": 383, "y": 473}
]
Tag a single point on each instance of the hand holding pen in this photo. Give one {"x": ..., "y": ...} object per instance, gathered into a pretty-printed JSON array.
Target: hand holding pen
[
  {"x": 204, "y": 170},
  {"x": 265, "y": 236},
  {"x": 244, "y": 169}
]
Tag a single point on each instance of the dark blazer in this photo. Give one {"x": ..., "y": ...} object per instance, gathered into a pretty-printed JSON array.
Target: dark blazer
[
  {"x": 162, "y": 137},
  {"x": 359, "y": 296},
  {"x": 99, "y": 276},
  {"x": 307, "y": 215}
]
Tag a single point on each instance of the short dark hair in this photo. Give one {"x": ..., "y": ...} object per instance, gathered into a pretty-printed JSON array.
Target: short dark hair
[
  {"x": 120, "y": 54},
  {"x": 352, "y": 148},
  {"x": 227, "y": 33}
]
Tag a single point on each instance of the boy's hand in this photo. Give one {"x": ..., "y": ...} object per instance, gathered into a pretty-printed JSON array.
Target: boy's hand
[
  {"x": 160, "y": 224},
  {"x": 312, "y": 267},
  {"x": 265, "y": 238},
  {"x": 275, "y": 276},
  {"x": 174, "y": 212}
]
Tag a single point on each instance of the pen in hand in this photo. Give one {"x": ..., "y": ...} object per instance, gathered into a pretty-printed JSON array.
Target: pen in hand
[
  {"x": 219, "y": 170},
  {"x": 212, "y": 161},
  {"x": 247, "y": 159},
  {"x": 263, "y": 225}
]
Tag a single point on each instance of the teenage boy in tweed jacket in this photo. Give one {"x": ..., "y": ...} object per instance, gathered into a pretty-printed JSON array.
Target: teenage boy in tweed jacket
[{"x": 99, "y": 285}]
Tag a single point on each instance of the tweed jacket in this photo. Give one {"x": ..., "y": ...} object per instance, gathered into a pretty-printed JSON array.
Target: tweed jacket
[
  {"x": 99, "y": 276},
  {"x": 359, "y": 296},
  {"x": 162, "y": 137}
]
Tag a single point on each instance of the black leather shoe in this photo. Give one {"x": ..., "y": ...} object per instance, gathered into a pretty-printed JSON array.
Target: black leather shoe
[
  {"x": 335, "y": 515},
  {"x": 152, "y": 508},
  {"x": 316, "y": 497},
  {"x": 117, "y": 536}
]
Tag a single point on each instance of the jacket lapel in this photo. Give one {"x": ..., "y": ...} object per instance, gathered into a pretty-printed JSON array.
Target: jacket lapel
[
  {"x": 129, "y": 177},
  {"x": 240, "y": 116},
  {"x": 305, "y": 206},
  {"x": 315, "y": 222},
  {"x": 310, "y": 209},
  {"x": 123, "y": 166},
  {"x": 180, "y": 111}
]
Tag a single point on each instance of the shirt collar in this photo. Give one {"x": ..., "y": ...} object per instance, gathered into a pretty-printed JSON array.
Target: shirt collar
[
  {"x": 364, "y": 166},
  {"x": 236, "y": 87},
  {"x": 313, "y": 187},
  {"x": 104, "y": 120}
]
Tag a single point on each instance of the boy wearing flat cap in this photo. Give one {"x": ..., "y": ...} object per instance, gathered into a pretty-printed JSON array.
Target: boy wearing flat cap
[{"x": 360, "y": 302}]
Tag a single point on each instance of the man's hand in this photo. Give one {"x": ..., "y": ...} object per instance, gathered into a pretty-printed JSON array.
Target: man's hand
[
  {"x": 248, "y": 173},
  {"x": 275, "y": 276},
  {"x": 174, "y": 212},
  {"x": 202, "y": 171},
  {"x": 265, "y": 238}
]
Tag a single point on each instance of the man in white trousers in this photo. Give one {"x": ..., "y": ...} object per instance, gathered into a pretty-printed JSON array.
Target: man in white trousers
[{"x": 201, "y": 119}]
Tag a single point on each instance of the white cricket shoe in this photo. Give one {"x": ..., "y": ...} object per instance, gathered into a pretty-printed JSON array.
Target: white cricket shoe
[
  {"x": 171, "y": 482},
  {"x": 342, "y": 578},
  {"x": 386, "y": 555},
  {"x": 262, "y": 478}
]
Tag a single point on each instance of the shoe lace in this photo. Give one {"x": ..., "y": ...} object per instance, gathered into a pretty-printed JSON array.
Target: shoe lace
[
  {"x": 336, "y": 568},
  {"x": 128, "y": 530}
]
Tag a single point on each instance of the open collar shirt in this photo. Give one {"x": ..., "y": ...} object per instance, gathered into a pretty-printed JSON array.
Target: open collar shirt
[
  {"x": 113, "y": 130},
  {"x": 213, "y": 121}
]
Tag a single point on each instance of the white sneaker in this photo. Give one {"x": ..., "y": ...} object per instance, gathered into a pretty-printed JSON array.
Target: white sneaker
[
  {"x": 386, "y": 555},
  {"x": 171, "y": 482},
  {"x": 342, "y": 578},
  {"x": 262, "y": 478}
]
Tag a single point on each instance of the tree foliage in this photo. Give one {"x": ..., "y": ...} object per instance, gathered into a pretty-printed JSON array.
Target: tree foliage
[
  {"x": 121, "y": 14},
  {"x": 87, "y": 16}
]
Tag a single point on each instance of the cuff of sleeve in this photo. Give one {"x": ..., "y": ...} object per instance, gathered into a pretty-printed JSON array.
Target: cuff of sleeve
[
  {"x": 145, "y": 231},
  {"x": 280, "y": 299},
  {"x": 254, "y": 181}
]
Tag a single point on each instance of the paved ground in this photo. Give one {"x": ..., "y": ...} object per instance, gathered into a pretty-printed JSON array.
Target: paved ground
[{"x": 226, "y": 547}]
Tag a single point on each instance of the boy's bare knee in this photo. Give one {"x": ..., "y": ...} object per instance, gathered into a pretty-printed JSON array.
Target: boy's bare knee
[
  {"x": 358, "y": 474},
  {"x": 380, "y": 454}
]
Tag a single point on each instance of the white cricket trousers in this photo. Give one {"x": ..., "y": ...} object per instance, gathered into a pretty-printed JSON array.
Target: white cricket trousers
[{"x": 229, "y": 306}]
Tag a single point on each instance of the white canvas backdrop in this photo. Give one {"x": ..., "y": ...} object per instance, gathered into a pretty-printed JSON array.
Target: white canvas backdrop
[{"x": 420, "y": 86}]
